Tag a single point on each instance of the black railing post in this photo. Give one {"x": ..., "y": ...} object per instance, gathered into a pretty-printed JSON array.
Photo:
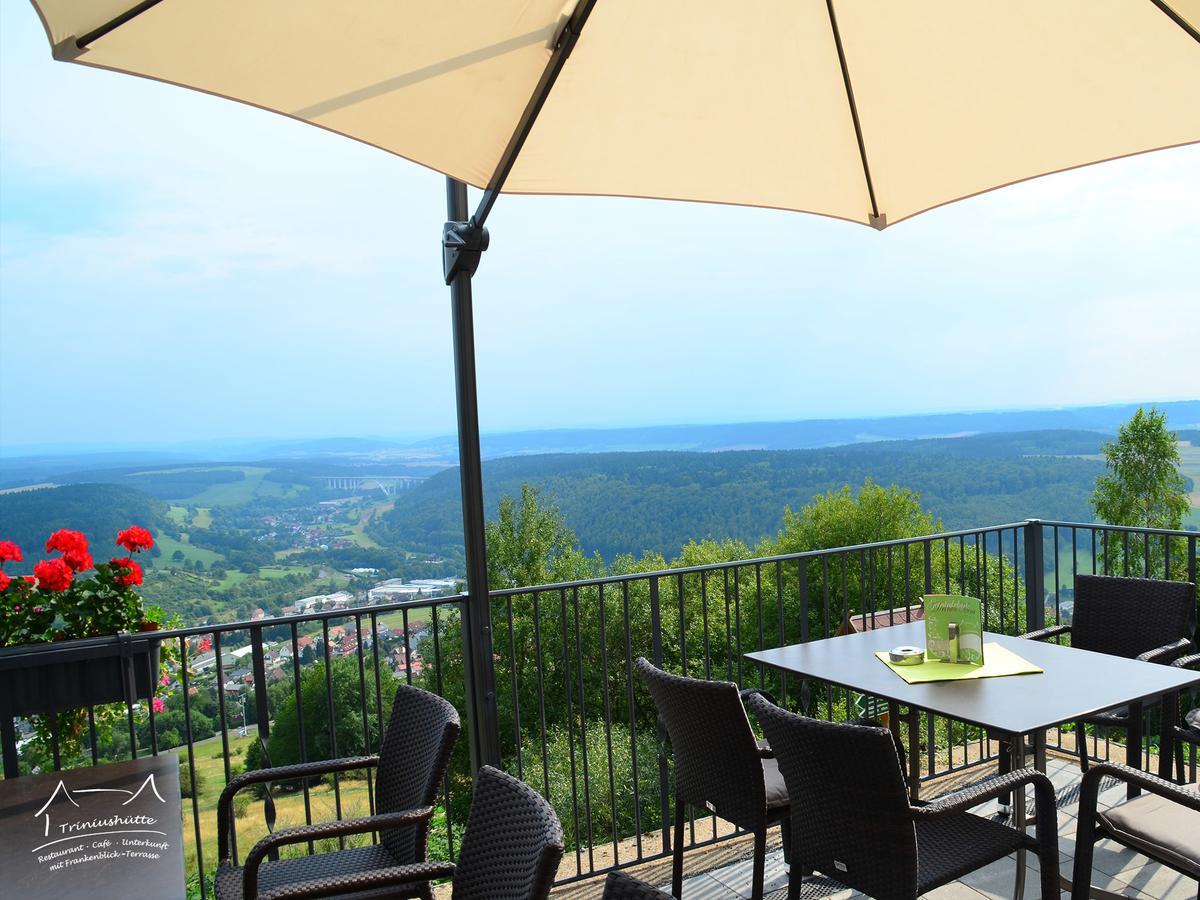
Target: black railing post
[
  {"x": 1035, "y": 575},
  {"x": 664, "y": 780},
  {"x": 258, "y": 659},
  {"x": 462, "y": 244}
]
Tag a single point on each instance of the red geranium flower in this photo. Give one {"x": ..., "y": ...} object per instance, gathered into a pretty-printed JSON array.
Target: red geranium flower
[
  {"x": 135, "y": 538},
  {"x": 65, "y": 541},
  {"x": 78, "y": 560},
  {"x": 126, "y": 572},
  {"x": 5, "y": 581},
  {"x": 53, "y": 575},
  {"x": 10, "y": 552},
  {"x": 29, "y": 579}
]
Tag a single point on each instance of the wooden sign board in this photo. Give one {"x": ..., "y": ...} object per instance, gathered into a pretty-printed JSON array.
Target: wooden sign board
[{"x": 104, "y": 831}]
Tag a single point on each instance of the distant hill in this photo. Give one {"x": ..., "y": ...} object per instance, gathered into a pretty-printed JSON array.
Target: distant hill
[
  {"x": 630, "y": 502},
  {"x": 811, "y": 433},
  {"x": 98, "y": 510}
]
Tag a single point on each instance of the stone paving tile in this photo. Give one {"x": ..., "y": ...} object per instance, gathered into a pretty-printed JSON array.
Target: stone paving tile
[
  {"x": 704, "y": 887},
  {"x": 740, "y": 876}
]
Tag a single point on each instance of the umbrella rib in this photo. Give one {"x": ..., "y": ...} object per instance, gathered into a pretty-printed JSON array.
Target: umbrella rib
[
  {"x": 132, "y": 13},
  {"x": 876, "y": 220},
  {"x": 1177, "y": 19},
  {"x": 558, "y": 58}
]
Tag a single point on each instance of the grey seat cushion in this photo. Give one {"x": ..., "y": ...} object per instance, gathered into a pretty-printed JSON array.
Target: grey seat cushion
[
  {"x": 777, "y": 795},
  {"x": 1159, "y": 828},
  {"x": 228, "y": 884}
]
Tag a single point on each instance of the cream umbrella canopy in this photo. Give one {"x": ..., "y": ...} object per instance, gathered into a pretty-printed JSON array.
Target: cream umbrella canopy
[{"x": 862, "y": 110}]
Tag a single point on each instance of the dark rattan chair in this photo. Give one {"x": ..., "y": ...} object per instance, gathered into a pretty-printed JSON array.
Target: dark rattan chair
[
  {"x": 411, "y": 764},
  {"x": 619, "y": 886},
  {"x": 510, "y": 851},
  {"x": 1137, "y": 618},
  {"x": 719, "y": 765},
  {"x": 851, "y": 806},
  {"x": 1162, "y": 824}
]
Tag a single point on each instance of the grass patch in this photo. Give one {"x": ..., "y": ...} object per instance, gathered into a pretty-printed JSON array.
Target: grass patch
[
  {"x": 169, "y": 546},
  {"x": 177, "y": 514},
  {"x": 202, "y": 518},
  {"x": 395, "y": 619}
]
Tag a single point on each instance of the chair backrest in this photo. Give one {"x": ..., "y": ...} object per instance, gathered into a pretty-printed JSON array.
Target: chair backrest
[
  {"x": 619, "y": 886},
  {"x": 850, "y": 811},
  {"x": 1128, "y": 616},
  {"x": 717, "y": 764},
  {"x": 412, "y": 762},
  {"x": 512, "y": 845}
]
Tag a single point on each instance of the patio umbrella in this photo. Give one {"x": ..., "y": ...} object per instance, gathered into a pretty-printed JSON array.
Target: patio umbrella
[{"x": 866, "y": 111}]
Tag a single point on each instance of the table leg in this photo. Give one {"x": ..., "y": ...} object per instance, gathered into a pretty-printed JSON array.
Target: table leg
[
  {"x": 1018, "y": 762},
  {"x": 1166, "y": 741},
  {"x": 1133, "y": 745},
  {"x": 914, "y": 753}
]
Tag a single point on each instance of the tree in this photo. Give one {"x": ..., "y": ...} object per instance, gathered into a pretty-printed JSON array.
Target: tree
[
  {"x": 1140, "y": 487},
  {"x": 346, "y": 714}
]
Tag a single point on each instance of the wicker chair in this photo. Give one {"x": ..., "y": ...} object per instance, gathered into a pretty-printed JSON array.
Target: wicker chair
[
  {"x": 411, "y": 764},
  {"x": 850, "y": 803},
  {"x": 719, "y": 765},
  {"x": 619, "y": 886},
  {"x": 1162, "y": 824},
  {"x": 1137, "y": 618},
  {"x": 510, "y": 851}
]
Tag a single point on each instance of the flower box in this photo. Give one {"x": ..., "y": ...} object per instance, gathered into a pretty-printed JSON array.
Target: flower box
[{"x": 36, "y": 679}]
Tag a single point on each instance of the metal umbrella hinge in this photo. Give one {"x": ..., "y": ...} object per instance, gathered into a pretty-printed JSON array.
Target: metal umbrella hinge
[{"x": 463, "y": 244}]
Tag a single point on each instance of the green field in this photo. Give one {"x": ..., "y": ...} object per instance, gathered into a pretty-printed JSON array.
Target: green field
[
  {"x": 395, "y": 620},
  {"x": 233, "y": 493},
  {"x": 168, "y": 546}
]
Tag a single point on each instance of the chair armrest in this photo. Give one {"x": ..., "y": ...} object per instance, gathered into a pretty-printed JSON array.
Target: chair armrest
[
  {"x": 1187, "y": 662},
  {"x": 279, "y": 773},
  {"x": 304, "y": 833},
  {"x": 988, "y": 789},
  {"x": 746, "y": 693},
  {"x": 1147, "y": 782},
  {"x": 370, "y": 880},
  {"x": 1043, "y": 633},
  {"x": 764, "y": 749},
  {"x": 1166, "y": 653}
]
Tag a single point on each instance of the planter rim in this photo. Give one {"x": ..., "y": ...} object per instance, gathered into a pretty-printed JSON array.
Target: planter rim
[{"x": 55, "y": 652}]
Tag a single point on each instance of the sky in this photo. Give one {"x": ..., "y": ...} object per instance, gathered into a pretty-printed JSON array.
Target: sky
[{"x": 176, "y": 267}]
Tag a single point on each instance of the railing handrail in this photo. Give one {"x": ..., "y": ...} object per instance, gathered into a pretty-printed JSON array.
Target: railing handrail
[
  {"x": 278, "y": 621},
  {"x": 1132, "y": 529},
  {"x": 504, "y": 593},
  {"x": 756, "y": 561}
]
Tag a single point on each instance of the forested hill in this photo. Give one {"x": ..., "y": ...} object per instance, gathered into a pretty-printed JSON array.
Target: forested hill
[
  {"x": 98, "y": 510},
  {"x": 630, "y": 502}
]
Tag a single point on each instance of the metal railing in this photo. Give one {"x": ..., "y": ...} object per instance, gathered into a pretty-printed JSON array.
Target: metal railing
[{"x": 570, "y": 717}]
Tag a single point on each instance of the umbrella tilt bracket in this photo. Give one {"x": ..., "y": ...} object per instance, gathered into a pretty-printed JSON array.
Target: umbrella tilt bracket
[{"x": 463, "y": 244}]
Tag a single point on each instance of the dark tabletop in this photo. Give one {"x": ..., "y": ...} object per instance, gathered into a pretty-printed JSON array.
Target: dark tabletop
[
  {"x": 1075, "y": 682},
  {"x": 92, "y": 833}
]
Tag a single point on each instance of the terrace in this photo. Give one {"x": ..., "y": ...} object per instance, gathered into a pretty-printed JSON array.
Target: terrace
[{"x": 573, "y": 721}]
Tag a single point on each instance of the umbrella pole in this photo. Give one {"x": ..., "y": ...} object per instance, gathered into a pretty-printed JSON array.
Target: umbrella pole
[{"x": 461, "y": 255}]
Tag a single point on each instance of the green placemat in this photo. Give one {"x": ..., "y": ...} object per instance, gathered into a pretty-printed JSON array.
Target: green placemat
[{"x": 997, "y": 661}]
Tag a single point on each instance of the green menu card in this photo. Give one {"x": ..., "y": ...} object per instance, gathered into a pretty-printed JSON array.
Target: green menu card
[{"x": 953, "y": 629}]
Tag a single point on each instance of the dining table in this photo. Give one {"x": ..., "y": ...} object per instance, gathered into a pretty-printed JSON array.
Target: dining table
[{"x": 1073, "y": 683}]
